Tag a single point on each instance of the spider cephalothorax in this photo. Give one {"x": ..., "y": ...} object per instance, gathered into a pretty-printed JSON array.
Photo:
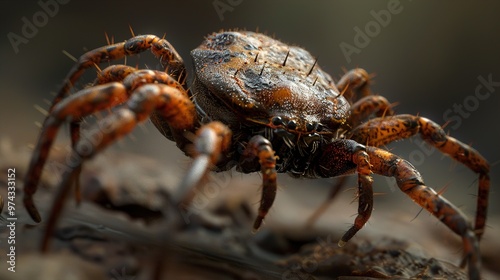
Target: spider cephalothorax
[
  {"x": 258, "y": 85},
  {"x": 257, "y": 104}
]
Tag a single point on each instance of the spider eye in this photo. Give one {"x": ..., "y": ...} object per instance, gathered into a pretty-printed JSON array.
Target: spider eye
[
  {"x": 310, "y": 126},
  {"x": 292, "y": 125},
  {"x": 277, "y": 121}
]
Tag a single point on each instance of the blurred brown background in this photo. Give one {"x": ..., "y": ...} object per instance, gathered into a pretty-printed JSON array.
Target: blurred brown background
[{"x": 428, "y": 58}]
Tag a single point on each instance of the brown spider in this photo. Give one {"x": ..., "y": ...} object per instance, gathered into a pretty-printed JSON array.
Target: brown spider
[{"x": 257, "y": 104}]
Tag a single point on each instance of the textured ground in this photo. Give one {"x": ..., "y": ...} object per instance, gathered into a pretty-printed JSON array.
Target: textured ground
[{"x": 127, "y": 229}]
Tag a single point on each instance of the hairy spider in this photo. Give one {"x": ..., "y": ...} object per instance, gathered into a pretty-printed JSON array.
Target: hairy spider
[{"x": 257, "y": 104}]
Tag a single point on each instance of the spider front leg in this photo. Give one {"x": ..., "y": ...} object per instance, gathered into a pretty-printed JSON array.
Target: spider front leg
[
  {"x": 360, "y": 111},
  {"x": 355, "y": 81},
  {"x": 113, "y": 73},
  {"x": 167, "y": 101},
  {"x": 109, "y": 96},
  {"x": 160, "y": 47},
  {"x": 259, "y": 151},
  {"x": 212, "y": 140},
  {"x": 411, "y": 183},
  {"x": 260, "y": 147},
  {"x": 208, "y": 150},
  {"x": 344, "y": 157},
  {"x": 131, "y": 78},
  {"x": 77, "y": 106},
  {"x": 381, "y": 131}
]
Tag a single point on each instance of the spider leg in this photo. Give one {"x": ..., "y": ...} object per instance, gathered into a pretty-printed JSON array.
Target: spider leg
[
  {"x": 350, "y": 84},
  {"x": 211, "y": 141},
  {"x": 77, "y": 106},
  {"x": 343, "y": 157},
  {"x": 161, "y": 48},
  {"x": 367, "y": 106},
  {"x": 113, "y": 73},
  {"x": 381, "y": 131},
  {"x": 119, "y": 73},
  {"x": 365, "y": 195},
  {"x": 260, "y": 147},
  {"x": 353, "y": 82},
  {"x": 410, "y": 182},
  {"x": 168, "y": 101}
]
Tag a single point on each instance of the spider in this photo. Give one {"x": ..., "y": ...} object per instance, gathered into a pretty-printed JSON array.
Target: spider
[{"x": 256, "y": 104}]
